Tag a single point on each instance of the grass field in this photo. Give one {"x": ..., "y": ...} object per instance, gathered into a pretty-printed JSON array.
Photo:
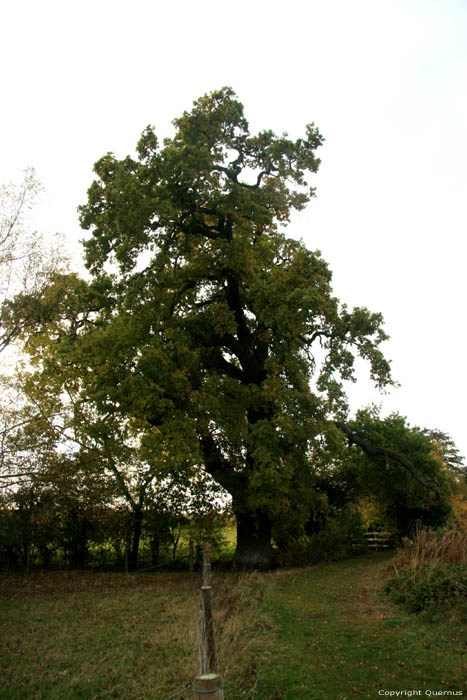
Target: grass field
[{"x": 322, "y": 633}]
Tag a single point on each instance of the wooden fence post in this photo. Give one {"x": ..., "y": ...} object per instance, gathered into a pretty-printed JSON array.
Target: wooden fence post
[
  {"x": 209, "y": 681},
  {"x": 206, "y": 593},
  {"x": 209, "y": 684},
  {"x": 205, "y": 576},
  {"x": 206, "y": 570}
]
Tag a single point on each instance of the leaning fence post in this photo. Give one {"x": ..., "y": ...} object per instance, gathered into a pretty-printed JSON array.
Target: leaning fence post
[
  {"x": 208, "y": 660},
  {"x": 205, "y": 576},
  {"x": 208, "y": 684}
]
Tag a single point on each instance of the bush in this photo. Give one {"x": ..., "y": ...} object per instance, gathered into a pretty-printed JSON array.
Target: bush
[
  {"x": 430, "y": 572},
  {"x": 210, "y": 526},
  {"x": 340, "y": 537},
  {"x": 436, "y": 585}
]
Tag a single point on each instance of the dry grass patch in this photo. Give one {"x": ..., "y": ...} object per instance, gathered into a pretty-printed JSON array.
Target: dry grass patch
[
  {"x": 429, "y": 547},
  {"x": 85, "y": 635}
]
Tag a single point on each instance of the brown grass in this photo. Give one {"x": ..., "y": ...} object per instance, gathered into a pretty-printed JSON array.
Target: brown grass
[
  {"x": 429, "y": 547},
  {"x": 244, "y": 634}
]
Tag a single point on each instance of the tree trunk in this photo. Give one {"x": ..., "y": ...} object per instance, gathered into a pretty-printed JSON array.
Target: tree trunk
[
  {"x": 83, "y": 552},
  {"x": 175, "y": 541},
  {"x": 137, "y": 524},
  {"x": 155, "y": 547},
  {"x": 46, "y": 555},
  {"x": 28, "y": 557},
  {"x": 254, "y": 550}
]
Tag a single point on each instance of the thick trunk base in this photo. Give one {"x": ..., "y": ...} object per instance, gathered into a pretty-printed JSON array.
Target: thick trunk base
[{"x": 254, "y": 549}]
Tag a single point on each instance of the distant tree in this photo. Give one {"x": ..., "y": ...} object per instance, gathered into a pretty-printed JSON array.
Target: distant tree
[
  {"x": 447, "y": 450},
  {"x": 27, "y": 259}
]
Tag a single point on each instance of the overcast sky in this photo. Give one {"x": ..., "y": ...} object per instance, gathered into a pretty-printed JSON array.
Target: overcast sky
[{"x": 384, "y": 80}]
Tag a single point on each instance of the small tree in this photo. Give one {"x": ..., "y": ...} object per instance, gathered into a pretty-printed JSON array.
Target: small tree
[{"x": 27, "y": 260}]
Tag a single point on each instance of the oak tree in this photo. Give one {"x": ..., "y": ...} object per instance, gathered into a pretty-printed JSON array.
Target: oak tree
[
  {"x": 217, "y": 313},
  {"x": 213, "y": 334}
]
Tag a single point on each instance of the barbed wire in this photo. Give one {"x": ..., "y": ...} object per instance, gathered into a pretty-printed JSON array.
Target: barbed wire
[
  {"x": 210, "y": 692},
  {"x": 179, "y": 692}
]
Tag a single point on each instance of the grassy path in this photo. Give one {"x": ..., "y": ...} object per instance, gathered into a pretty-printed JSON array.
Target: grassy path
[{"x": 337, "y": 639}]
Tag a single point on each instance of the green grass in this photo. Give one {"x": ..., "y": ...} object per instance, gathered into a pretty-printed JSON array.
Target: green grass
[
  {"x": 322, "y": 633},
  {"x": 341, "y": 639}
]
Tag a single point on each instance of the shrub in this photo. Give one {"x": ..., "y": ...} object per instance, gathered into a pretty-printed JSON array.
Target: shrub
[
  {"x": 210, "y": 526},
  {"x": 340, "y": 537},
  {"x": 430, "y": 572}
]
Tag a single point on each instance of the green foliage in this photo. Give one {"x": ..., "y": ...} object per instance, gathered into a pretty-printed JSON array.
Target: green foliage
[
  {"x": 42, "y": 527},
  {"x": 445, "y": 446},
  {"x": 430, "y": 587},
  {"x": 402, "y": 502},
  {"x": 197, "y": 338},
  {"x": 210, "y": 526}
]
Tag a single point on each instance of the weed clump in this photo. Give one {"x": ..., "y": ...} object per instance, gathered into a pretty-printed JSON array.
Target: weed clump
[{"x": 429, "y": 574}]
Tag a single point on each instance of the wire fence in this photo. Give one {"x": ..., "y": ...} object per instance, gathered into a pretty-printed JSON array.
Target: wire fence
[
  {"x": 205, "y": 647},
  {"x": 179, "y": 692}
]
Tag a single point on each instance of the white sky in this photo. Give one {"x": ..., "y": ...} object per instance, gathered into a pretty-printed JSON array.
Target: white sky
[{"x": 385, "y": 81}]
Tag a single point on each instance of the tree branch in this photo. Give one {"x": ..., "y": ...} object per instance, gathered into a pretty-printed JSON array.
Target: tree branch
[
  {"x": 232, "y": 175},
  {"x": 214, "y": 461},
  {"x": 219, "y": 362},
  {"x": 373, "y": 451}
]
